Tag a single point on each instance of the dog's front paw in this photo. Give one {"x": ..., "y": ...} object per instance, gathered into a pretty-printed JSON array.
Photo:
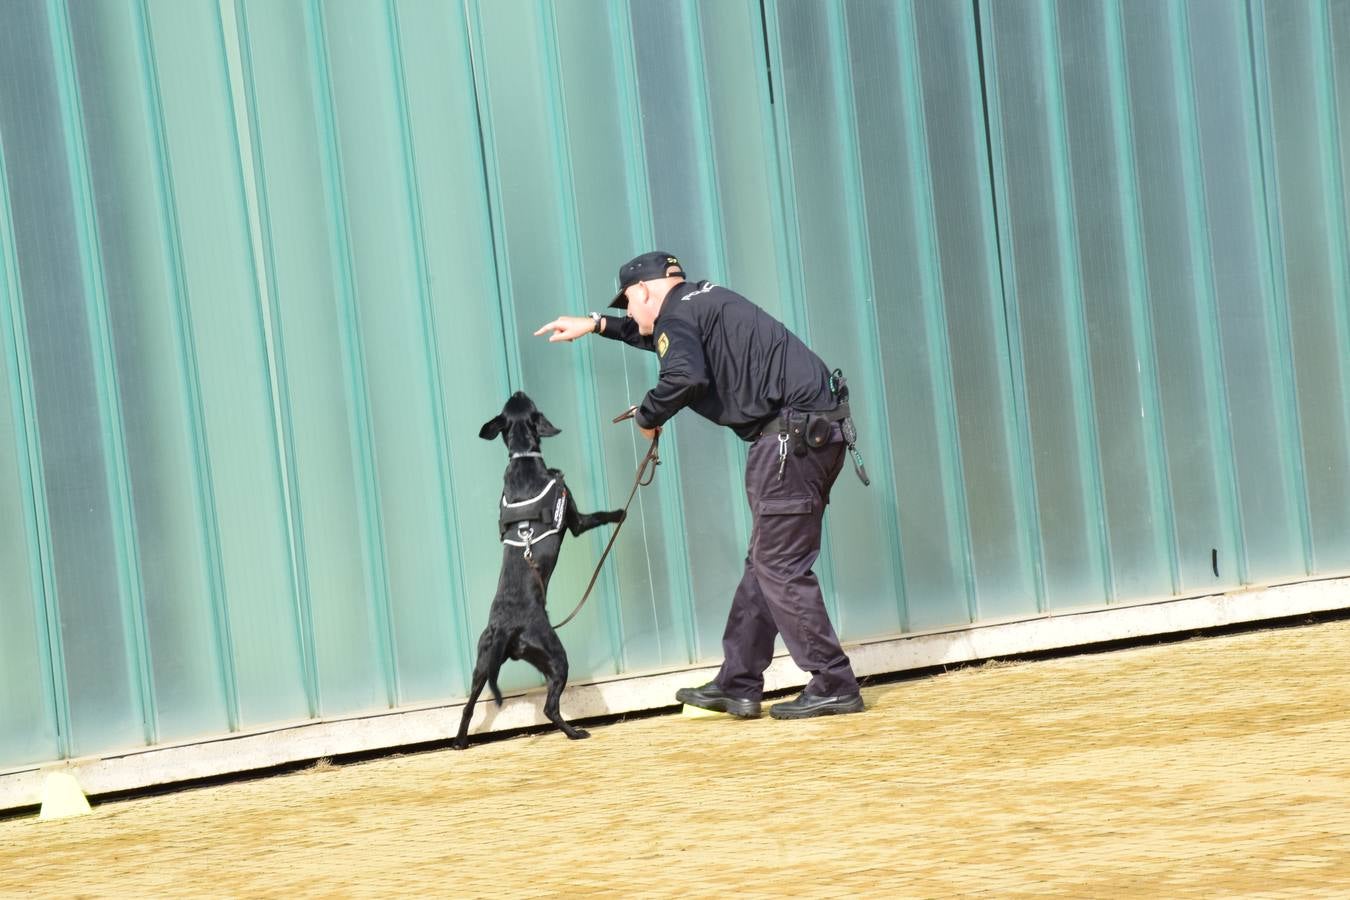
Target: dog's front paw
[
  {"x": 618, "y": 515},
  {"x": 459, "y": 743},
  {"x": 577, "y": 734}
]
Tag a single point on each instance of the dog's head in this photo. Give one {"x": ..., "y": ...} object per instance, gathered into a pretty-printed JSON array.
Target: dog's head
[{"x": 520, "y": 423}]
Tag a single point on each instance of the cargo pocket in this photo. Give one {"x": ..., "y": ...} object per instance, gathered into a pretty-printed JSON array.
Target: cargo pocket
[{"x": 786, "y": 506}]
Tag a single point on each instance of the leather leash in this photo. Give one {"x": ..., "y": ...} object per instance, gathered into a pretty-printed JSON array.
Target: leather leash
[{"x": 652, "y": 459}]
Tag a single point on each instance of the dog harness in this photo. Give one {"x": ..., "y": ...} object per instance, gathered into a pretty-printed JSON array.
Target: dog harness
[{"x": 534, "y": 519}]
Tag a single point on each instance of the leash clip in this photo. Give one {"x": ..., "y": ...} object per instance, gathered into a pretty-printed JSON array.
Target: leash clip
[{"x": 526, "y": 535}]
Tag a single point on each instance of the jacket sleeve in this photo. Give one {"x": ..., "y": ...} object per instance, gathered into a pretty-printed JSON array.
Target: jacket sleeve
[
  {"x": 684, "y": 372},
  {"x": 622, "y": 328}
]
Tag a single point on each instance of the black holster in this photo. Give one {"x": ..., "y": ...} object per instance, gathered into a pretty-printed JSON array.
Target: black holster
[
  {"x": 811, "y": 430},
  {"x": 839, "y": 387}
]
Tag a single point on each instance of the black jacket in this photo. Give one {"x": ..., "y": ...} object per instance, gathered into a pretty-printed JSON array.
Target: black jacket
[{"x": 726, "y": 359}]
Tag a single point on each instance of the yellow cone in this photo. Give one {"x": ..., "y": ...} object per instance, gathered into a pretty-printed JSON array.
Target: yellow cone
[
  {"x": 62, "y": 797},
  {"x": 695, "y": 712}
]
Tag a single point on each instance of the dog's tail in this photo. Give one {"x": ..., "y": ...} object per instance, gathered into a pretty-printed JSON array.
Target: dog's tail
[{"x": 492, "y": 685}]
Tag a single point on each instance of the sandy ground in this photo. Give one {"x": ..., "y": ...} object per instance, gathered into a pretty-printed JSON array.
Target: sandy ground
[{"x": 1215, "y": 767}]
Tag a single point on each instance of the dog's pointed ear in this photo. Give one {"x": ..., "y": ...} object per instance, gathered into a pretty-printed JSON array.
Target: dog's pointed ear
[
  {"x": 492, "y": 427},
  {"x": 546, "y": 428}
]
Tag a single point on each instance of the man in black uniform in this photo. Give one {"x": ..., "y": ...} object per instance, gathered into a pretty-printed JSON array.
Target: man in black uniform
[{"x": 736, "y": 365}]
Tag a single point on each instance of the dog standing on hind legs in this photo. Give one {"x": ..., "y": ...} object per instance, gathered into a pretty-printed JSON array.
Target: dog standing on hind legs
[{"x": 536, "y": 508}]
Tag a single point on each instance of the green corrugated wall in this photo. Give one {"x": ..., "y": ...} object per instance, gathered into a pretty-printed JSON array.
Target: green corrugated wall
[{"x": 267, "y": 265}]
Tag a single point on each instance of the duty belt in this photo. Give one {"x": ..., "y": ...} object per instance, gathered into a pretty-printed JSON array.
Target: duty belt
[{"x": 803, "y": 430}]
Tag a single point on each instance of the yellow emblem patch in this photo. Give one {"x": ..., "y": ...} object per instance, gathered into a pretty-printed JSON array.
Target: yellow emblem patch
[{"x": 662, "y": 344}]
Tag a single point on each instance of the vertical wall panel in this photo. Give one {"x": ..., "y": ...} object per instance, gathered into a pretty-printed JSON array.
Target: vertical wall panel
[
  {"x": 896, "y": 168},
  {"x": 100, "y": 673},
  {"x": 839, "y": 293},
  {"x": 687, "y": 219},
  {"x": 1044, "y": 288},
  {"x": 29, "y": 691},
  {"x": 461, "y": 312},
  {"x": 534, "y": 208},
  {"x": 1301, "y": 142},
  {"x": 1251, "y": 318},
  {"x": 305, "y": 244},
  {"x": 1111, "y": 280},
  {"x": 998, "y": 504},
  {"x": 729, "y": 81},
  {"x": 226, "y": 326},
  {"x": 1336, "y": 80},
  {"x": 1198, "y": 458},
  {"x": 388, "y": 268},
  {"x": 155, "y": 381}
]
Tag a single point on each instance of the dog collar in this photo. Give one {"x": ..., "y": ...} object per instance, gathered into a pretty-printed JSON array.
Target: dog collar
[{"x": 527, "y": 453}]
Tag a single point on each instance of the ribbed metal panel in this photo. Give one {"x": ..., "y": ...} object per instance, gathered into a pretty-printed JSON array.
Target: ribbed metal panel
[{"x": 266, "y": 267}]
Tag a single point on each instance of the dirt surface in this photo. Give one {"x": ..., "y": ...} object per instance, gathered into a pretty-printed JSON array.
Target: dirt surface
[{"x": 1215, "y": 767}]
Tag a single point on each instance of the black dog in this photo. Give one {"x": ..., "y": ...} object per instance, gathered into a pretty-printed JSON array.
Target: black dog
[{"x": 536, "y": 507}]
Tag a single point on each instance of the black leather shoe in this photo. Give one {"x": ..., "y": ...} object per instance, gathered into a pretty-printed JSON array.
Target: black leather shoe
[
  {"x": 712, "y": 697},
  {"x": 807, "y": 705}
]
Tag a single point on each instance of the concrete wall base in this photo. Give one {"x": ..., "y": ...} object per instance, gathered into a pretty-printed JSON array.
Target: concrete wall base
[{"x": 312, "y": 739}]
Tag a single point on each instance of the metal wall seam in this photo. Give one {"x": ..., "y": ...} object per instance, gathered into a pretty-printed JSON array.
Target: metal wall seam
[
  {"x": 788, "y": 258},
  {"x": 1137, "y": 272},
  {"x": 870, "y": 338},
  {"x": 183, "y": 331},
  {"x": 575, "y": 281},
  {"x": 47, "y": 615},
  {"x": 695, "y": 49},
  {"x": 1070, "y": 258},
  {"x": 796, "y": 317},
  {"x": 674, "y": 516},
  {"x": 934, "y": 306},
  {"x": 353, "y": 358},
  {"x": 982, "y": 119},
  {"x": 1216, "y": 389},
  {"x": 787, "y": 197},
  {"x": 635, "y": 186},
  {"x": 448, "y": 505},
  {"x": 491, "y": 181},
  {"x": 131, "y": 597},
  {"x": 1273, "y": 266},
  {"x": 493, "y": 178},
  {"x": 1024, "y": 474},
  {"x": 254, "y": 191},
  {"x": 672, "y": 506}
]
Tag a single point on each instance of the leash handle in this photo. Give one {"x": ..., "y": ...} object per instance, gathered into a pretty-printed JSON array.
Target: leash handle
[{"x": 653, "y": 458}]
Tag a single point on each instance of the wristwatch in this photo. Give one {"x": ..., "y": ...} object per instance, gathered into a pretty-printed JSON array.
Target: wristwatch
[{"x": 595, "y": 319}]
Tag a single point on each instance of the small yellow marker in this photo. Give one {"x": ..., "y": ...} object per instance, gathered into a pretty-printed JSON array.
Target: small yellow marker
[
  {"x": 62, "y": 797},
  {"x": 698, "y": 712}
]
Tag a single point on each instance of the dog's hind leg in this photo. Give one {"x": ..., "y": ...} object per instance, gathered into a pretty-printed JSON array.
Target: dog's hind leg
[
  {"x": 491, "y": 651},
  {"x": 545, "y": 652}
]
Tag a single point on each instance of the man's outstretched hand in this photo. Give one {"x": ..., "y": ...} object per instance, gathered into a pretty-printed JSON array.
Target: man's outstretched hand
[{"x": 567, "y": 328}]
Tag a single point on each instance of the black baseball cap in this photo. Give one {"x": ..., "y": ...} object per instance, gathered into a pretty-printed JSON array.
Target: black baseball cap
[{"x": 647, "y": 267}]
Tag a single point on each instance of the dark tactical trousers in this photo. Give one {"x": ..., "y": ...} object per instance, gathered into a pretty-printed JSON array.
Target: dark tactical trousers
[{"x": 779, "y": 594}]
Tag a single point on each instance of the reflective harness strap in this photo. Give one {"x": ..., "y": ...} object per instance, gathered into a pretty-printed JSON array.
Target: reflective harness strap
[{"x": 535, "y": 518}]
